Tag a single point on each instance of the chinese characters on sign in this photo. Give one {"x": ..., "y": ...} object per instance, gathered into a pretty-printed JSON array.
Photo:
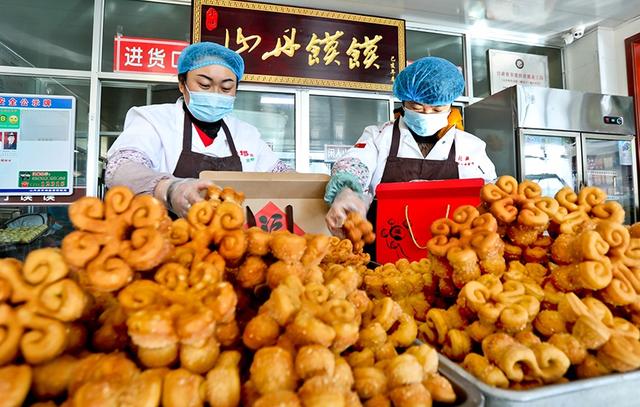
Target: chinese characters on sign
[
  {"x": 133, "y": 54},
  {"x": 512, "y": 68},
  {"x": 297, "y": 46},
  {"x": 37, "y": 135}
]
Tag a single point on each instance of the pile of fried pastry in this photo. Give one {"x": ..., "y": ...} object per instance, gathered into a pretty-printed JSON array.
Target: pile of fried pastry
[
  {"x": 528, "y": 290},
  {"x": 137, "y": 310}
]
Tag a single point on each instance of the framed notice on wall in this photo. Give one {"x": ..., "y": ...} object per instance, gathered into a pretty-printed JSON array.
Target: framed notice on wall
[
  {"x": 301, "y": 46},
  {"x": 36, "y": 148},
  {"x": 515, "y": 68}
]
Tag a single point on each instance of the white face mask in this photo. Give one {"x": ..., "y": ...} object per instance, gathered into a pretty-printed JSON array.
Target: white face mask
[{"x": 425, "y": 124}]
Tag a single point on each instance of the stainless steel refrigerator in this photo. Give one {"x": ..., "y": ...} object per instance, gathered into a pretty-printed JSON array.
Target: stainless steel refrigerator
[{"x": 561, "y": 138}]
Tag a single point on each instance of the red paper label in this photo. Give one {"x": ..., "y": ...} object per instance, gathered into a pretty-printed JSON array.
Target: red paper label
[
  {"x": 360, "y": 145},
  {"x": 150, "y": 55},
  {"x": 271, "y": 218}
]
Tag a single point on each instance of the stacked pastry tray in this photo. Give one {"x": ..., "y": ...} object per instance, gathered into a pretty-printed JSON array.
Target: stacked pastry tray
[
  {"x": 615, "y": 390},
  {"x": 21, "y": 235}
]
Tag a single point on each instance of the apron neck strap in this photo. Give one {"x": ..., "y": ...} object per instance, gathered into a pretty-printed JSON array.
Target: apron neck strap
[{"x": 395, "y": 139}]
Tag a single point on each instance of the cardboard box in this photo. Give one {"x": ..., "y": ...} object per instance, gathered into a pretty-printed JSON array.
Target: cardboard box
[
  {"x": 406, "y": 211},
  {"x": 267, "y": 196}
]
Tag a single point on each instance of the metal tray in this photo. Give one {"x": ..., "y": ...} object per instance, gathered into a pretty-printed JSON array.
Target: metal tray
[
  {"x": 619, "y": 390},
  {"x": 467, "y": 394}
]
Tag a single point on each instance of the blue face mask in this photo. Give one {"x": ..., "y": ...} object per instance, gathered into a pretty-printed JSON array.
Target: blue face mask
[
  {"x": 425, "y": 124},
  {"x": 209, "y": 106}
]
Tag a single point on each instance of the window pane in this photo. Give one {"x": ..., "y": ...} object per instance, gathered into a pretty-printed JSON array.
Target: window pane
[
  {"x": 273, "y": 114},
  {"x": 137, "y": 18},
  {"x": 480, "y": 60},
  {"x": 46, "y": 34},
  {"x": 117, "y": 99},
  {"x": 340, "y": 120},
  {"x": 424, "y": 44}
]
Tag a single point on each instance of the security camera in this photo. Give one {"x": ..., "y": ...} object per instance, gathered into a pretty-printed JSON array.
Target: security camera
[
  {"x": 577, "y": 32},
  {"x": 568, "y": 38}
]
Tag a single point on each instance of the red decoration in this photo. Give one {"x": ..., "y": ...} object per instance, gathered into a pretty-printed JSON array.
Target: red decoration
[{"x": 211, "y": 21}]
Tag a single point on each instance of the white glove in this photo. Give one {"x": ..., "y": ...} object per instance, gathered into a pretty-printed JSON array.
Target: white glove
[
  {"x": 184, "y": 193},
  {"x": 346, "y": 201}
]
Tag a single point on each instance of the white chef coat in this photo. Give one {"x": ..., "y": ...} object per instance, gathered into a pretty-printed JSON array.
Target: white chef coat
[
  {"x": 372, "y": 149},
  {"x": 156, "y": 131}
]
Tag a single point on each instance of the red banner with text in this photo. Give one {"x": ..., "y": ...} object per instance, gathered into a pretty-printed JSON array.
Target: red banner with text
[{"x": 149, "y": 55}]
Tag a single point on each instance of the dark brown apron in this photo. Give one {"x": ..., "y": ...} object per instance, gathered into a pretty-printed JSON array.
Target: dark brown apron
[
  {"x": 408, "y": 169},
  {"x": 190, "y": 164}
]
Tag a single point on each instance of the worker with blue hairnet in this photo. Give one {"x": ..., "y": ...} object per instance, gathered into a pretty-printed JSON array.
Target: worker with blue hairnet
[
  {"x": 426, "y": 143},
  {"x": 163, "y": 148}
]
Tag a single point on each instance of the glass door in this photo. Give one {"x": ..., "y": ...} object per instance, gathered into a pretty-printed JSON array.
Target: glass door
[
  {"x": 609, "y": 164},
  {"x": 550, "y": 159}
]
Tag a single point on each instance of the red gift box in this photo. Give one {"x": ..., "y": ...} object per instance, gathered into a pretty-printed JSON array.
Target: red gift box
[{"x": 406, "y": 211}]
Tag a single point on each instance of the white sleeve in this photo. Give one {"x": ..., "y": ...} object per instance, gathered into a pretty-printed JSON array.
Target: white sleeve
[
  {"x": 369, "y": 133},
  {"x": 139, "y": 134},
  {"x": 266, "y": 159}
]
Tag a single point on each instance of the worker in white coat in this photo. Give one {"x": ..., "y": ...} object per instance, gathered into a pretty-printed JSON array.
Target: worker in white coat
[
  {"x": 427, "y": 143},
  {"x": 164, "y": 147}
]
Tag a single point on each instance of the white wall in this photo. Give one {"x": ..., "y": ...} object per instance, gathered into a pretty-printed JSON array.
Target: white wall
[
  {"x": 597, "y": 61},
  {"x": 621, "y": 33},
  {"x": 582, "y": 68}
]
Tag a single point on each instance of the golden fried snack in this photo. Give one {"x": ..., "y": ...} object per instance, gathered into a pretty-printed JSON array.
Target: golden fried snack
[
  {"x": 321, "y": 391},
  {"x": 620, "y": 354},
  {"x": 347, "y": 334},
  {"x": 158, "y": 357},
  {"x": 516, "y": 360},
  {"x": 480, "y": 367},
  {"x": 386, "y": 312},
  {"x": 15, "y": 381},
  {"x": 549, "y": 322},
  {"x": 372, "y": 337},
  {"x": 440, "y": 388},
  {"x": 478, "y": 330},
  {"x": 403, "y": 370},
  {"x": 527, "y": 338},
  {"x": 228, "y": 334},
  {"x": 414, "y": 394},
  {"x": 464, "y": 262},
  {"x": 113, "y": 368},
  {"x": 378, "y": 401},
  {"x": 307, "y": 329},
  {"x": 145, "y": 390},
  {"x": 573, "y": 348},
  {"x": 183, "y": 388},
  {"x": 434, "y": 329},
  {"x": 552, "y": 362},
  {"x": 115, "y": 238},
  {"x": 52, "y": 379},
  {"x": 261, "y": 331},
  {"x": 314, "y": 360},
  {"x": 406, "y": 331},
  {"x": 591, "y": 367},
  {"x": 426, "y": 356},
  {"x": 369, "y": 382},
  {"x": 457, "y": 344},
  {"x": 364, "y": 358},
  {"x": 280, "y": 398},
  {"x": 623, "y": 327},
  {"x": 590, "y": 332},
  {"x": 283, "y": 304},
  {"x": 112, "y": 334},
  {"x": 223, "y": 381},
  {"x": 358, "y": 230},
  {"x": 258, "y": 242},
  {"x": 200, "y": 359},
  {"x": 273, "y": 369}
]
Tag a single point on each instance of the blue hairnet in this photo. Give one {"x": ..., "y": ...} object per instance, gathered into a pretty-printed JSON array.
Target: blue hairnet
[
  {"x": 429, "y": 80},
  {"x": 209, "y": 53}
]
